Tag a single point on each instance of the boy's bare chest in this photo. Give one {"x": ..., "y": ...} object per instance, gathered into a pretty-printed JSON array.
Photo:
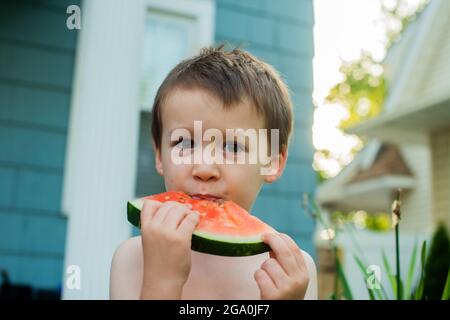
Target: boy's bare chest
[{"x": 214, "y": 277}]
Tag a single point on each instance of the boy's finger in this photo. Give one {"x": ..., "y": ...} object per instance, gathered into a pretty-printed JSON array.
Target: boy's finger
[
  {"x": 161, "y": 213},
  {"x": 265, "y": 283},
  {"x": 149, "y": 208},
  {"x": 174, "y": 217},
  {"x": 278, "y": 275},
  {"x": 296, "y": 250},
  {"x": 188, "y": 223},
  {"x": 282, "y": 252}
]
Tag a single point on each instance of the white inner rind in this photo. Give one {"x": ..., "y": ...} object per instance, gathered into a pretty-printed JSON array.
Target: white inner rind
[
  {"x": 138, "y": 203},
  {"x": 228, "y": 238}
]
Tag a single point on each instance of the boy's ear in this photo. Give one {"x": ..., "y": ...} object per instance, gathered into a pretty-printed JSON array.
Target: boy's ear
[
  {"x": 277, "y": 165},
  {"x": 158, "y": 162}
]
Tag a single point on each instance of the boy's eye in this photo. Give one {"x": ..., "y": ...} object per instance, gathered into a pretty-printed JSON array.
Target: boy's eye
[
  {"x": 184, "y": 143},
  {"x": 233, "y": 147}
]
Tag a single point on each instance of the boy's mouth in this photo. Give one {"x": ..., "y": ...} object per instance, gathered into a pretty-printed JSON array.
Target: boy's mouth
[{"x": 205, "y": 197}]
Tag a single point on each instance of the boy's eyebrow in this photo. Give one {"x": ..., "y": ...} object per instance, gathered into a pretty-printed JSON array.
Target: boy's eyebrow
[{"x": 178, "y": 128}]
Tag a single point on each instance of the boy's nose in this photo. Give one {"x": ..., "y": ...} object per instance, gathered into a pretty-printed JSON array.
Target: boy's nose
[{"x": 206, "y": 172}]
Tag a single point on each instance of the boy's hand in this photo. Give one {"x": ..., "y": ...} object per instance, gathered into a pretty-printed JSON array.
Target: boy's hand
[
  {"x": 284, "y": 275},
  {"x": 166, "y": 230}
]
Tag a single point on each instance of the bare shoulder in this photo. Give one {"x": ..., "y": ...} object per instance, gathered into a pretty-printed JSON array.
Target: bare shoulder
[
  {"x": 129, "y": 247},
  {"x": 308, "y": 260},
  {"x": 126, "y": 270},
  {"x": 311, "y": 292}
]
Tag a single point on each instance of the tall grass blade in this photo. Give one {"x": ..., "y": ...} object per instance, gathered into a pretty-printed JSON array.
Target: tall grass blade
[
  {"x": 389, "y": 273},
  {"x": 412, "y": 264},
  {"x": 346, "y": 288},
  {"x": 446, "y": 293},
  {"x": 365, "y": 276},
  {"x": 423, "y": 255}
]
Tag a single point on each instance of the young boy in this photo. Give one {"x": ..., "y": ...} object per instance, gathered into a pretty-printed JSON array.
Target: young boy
[{"x": 224, "y": 90}]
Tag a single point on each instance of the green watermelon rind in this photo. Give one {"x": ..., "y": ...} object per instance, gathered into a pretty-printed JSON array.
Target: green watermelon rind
[
  {"x": 133, "y": 214},
  {"x": 230, "y": 249},
  {"x": 209, "y": 243}
]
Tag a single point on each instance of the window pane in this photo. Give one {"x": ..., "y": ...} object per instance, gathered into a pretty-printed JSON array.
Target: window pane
[{"x": 167, "y": 41}]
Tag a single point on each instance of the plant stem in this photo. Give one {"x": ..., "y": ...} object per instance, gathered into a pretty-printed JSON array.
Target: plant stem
[
  {"x": 397, "y": 212},
  {"x": 336, "y": 276},
  {"x": 397, "y": 255}
]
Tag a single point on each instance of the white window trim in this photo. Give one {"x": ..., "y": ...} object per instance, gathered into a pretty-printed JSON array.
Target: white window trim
[{"x": 203, "y": 11}]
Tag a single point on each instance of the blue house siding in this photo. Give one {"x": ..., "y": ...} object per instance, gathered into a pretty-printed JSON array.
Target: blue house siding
[
  {"x": 281, "y": 33},
  {"x": 36, "y": 68}
]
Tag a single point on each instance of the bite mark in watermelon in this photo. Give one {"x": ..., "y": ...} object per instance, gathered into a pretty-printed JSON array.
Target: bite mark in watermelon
[{"x": 224, "y": 228}]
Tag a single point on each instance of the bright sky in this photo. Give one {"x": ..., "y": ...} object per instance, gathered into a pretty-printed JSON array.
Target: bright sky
[{"x": 342, "y": 29}]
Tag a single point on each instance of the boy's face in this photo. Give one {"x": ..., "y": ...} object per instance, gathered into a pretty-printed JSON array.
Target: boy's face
[{"x": 238, "y": 182}]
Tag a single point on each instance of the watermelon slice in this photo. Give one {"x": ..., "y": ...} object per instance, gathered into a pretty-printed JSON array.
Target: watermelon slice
[{"x": 224, "y": 228}]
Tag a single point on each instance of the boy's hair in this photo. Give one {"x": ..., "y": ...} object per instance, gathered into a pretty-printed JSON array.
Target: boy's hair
[{"x": 231, "y": 76}]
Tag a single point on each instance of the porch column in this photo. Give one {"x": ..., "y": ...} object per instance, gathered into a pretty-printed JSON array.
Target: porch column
[{"x": 102, "y": 140}]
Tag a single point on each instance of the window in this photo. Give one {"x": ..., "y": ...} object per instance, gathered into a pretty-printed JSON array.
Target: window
[
  {"x": 174, "y": 30},
  {"x": 168, "y": 38}
]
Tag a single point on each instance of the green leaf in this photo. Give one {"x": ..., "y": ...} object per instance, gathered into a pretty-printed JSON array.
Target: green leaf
[
  {"x": 446, "y": 293},
  {"x": 393, "y": 281},
  {"x": 380, "y": 294},
  {"x": 412, "y": 264},
  {"x": 363, "y": 270},
  {"x": 347, "y": 292},
  {"x": 363, "y": 260},
  {"x": 423, "y": 255},
  {"x": 402, "y": 289},
  {"x": 391, "y": 277}
]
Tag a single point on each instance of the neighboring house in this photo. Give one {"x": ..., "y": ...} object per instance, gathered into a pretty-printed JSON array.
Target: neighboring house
[
  {"x": 74, "y": 151},
  {"x": 410, "y": 145}
]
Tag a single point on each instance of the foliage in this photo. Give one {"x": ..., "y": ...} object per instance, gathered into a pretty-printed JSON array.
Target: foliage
[
  {"x": 437, "y": 265},
  {"x": 429, "y": 266},
  {"x": 362, "y": 90},
  {"x": 374, "y": 221}
]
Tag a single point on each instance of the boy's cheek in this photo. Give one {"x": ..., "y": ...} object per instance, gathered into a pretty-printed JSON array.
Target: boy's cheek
[{"x": 242, "y": 173}]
